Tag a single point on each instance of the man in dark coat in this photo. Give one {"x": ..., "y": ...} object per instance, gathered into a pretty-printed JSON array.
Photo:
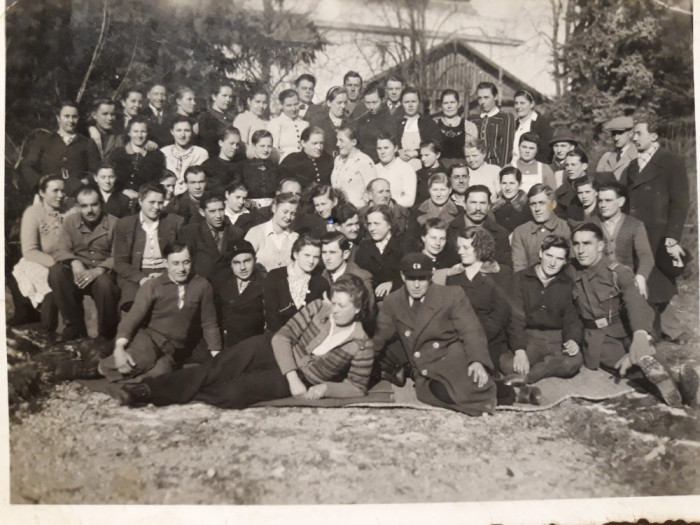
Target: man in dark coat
[
  {"x": 238, "y": 295},
  {"x": 375, "y": 121},
  {"x": 210, "y": 239},
  {"x": 186, "y": 205},
  {"x": 139, "y": 241},
  {"x": 444, "y": 343},
  {"x": 64, "y": 152},
  {"x": 657, "y": 195}
]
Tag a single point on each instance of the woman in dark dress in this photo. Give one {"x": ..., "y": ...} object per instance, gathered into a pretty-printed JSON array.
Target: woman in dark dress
[
  {"x": 333, "y": 119},
  {"x": 476, "y": 248},
  {"x": 286, "y": 290},
  {"x": 312, "y": 164},
  {"x": 322, "y": 351},
  {"x": 260, "y": 174},
  {"x": 133, "y": 164},
  {"x": 453, "y": 128},
  {"x": 381, "y": 253}
]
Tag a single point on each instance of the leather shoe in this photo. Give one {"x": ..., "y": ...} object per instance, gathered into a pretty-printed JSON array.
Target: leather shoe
[
  {"x": 657, "y": 374},
  {"x": 528, "y": 395},
  {"x": 688, "y": 382},
  {"x": 396, "y": 377},
  {"x": 134, "y": 394}
]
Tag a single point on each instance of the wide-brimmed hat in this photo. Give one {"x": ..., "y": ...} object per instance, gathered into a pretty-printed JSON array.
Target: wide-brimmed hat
[{"x": 563, "y": 135}]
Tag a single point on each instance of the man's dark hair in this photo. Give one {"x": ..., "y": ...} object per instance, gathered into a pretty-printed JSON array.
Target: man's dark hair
[
  {"x": 511, "y": 170},
  {"x": 351, "y": 74},
  {"x": 374, "y": 87},
  {"x": 578, "y": 152},
  {"x": 211, "y": 196},
  {"x": 588, "y": 227},
  {"x": 194, "y": 170},
  {"x": 488, "y": 85},
  {"x": 149, "y": 187},
  {"x": 339, "y": 237},
  {"x": 305, "y": 76},
  {"x": 478, "y": 188},
  {"x": 236, "y": 184},
  {"x": 341, "y": 213},
  {"x": 394, "y": 78},
  {"x": 128, "y": 92},
  {"x": 434, "y": 145},
  {"x": 287, "y": 93},
  {"x": 541, "y": 188},
  {"x": 104, "y": 166},
  {"x": 100, "y": 102},
  {"x": 554, "y": 241},
  {"x": 176, "y": 247},
  {"x": 530, "y": 136},
  {"x": 615, "y": 186},
  {"x": 66, "y": 104},
  {"x": 410, "y": 91},
  {"x": 582, "y": 181}
]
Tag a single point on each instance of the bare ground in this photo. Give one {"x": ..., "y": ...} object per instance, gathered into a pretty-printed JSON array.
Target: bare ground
[{"x": 81, "y": 447}]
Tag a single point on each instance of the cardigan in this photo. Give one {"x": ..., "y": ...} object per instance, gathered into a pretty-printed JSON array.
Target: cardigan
[
  {"x": 286, "y": 134},
  {"x": 40, "y": 232},
  {"x": 261, "y": 177},
  {"x": 307, "y": 170},
  {"x": 351, "y": 175},
  {"x": 345, "y": 369},
  {"x": 498, "y": 132},
  {"x": 133, "y": 169},
  {"x": 527, "y": 239}
]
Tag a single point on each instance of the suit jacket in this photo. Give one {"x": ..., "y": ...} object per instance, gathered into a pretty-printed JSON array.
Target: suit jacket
[
  {"x": 186, "y": 208},
  {"x": 130, "y": 240},
  {"x": 207, "y": 258},
  {"x": 241, "y": 315},
  {"x": 440, "y": 342},
  {"x": 279, "y": 307},
  {"x": 369, "y": 126},
  {"x": 608, "y": 163},
  {"x": 658, "y": 196},
  {"x": 118, "y": 205},
  {"x": 49, "y": 154},
  {"x": 158, "y": 131},
  {"x": 131, "y": 175}
]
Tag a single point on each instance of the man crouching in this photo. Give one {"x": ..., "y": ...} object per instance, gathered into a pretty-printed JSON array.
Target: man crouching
[
  {"x": 156, "y": 334},
  {"x": 612, "y": 310}
]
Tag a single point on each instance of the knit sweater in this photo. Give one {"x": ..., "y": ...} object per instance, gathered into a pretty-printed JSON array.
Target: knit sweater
[
  {"x": 630, "y": 245},
  {"x": 345, "y": 369}
]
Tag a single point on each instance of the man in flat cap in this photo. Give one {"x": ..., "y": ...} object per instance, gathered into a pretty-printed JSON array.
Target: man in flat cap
[
  {"x": 444, "y": 346},
  {"x": 562, "y": 142},
  {"x": 615, "y": 162}
]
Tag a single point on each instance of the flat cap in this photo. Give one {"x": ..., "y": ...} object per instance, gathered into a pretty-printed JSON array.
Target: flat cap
[{"x": 619, "y": 124}]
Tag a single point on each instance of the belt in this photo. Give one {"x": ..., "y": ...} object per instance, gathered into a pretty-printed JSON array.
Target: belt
[{"x": 602, "y": 322}]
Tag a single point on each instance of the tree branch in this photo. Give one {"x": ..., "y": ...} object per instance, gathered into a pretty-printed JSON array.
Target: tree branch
[
  {"x": 95, "y": 53},
  {"x": 128, "y": 68},
  {"x": 672, "y": 8}
]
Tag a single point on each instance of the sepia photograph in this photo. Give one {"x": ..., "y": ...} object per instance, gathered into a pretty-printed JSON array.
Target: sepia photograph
[{"x": 297, "y": 260}]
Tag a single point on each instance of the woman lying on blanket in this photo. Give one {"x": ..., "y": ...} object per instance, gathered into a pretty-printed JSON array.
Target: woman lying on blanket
[{"x": 321, "y": 352}]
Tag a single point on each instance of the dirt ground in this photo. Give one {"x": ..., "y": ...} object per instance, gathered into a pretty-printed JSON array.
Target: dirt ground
[{"x": 80, "y": 447}]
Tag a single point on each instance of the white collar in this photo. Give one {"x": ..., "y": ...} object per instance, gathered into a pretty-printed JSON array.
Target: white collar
[{"x": 491, "y": 113}]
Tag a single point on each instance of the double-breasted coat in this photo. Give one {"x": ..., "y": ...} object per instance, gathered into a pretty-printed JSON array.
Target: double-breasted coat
[{"x": 440, "y": 343}]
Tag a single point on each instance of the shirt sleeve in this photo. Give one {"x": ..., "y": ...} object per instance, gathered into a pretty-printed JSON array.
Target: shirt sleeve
[
  {"x": 286, "y": 337},
  {"x": 518, "y": 251},
  {"x": 30, "y": 238},
  {"x": 143, "y": 303},
  {"x": 642, "y": 250}
]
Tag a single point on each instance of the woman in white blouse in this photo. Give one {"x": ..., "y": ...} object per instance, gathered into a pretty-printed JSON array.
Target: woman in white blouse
[
  {"x": 286, "y": 128},
  {"x": 273, "y": 239},
  {"x": 253, "y": 118},
  {"x": 182, "y": 154},
  {"x": 401, "y": 176},
  {"x": 352, "y": 169}
]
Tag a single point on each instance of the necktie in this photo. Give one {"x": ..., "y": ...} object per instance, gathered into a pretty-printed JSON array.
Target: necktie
[
  {"x": 415, "y": 309},
  {"x": 180, "y": 296},
  {"x": 619, "y": 156}
]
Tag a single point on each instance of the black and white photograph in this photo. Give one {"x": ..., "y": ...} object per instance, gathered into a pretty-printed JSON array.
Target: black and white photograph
[{"x": 390, "y": 260}]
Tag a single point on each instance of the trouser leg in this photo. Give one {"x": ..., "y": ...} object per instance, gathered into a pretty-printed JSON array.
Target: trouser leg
[
  {"x": 105, "y": 293},
  {"x": 548, "y": 360},
  {"x": 69, "y": 300}
]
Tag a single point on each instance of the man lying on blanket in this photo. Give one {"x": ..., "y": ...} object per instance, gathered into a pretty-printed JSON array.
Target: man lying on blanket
[{"x": 618, "y": 321}]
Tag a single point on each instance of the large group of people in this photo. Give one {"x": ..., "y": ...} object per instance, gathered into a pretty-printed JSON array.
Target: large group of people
[{"x": 235, "y": 259}]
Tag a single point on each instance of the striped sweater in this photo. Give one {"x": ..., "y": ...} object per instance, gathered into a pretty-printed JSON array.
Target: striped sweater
[{"x": 345, "y": 369}]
